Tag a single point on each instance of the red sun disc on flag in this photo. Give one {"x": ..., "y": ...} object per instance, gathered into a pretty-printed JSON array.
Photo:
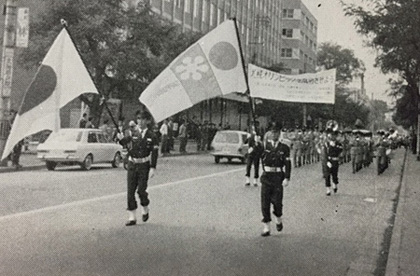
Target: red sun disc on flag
[
  {"x": 41, "y": 88},
  {"x": 223, "y": 56}
]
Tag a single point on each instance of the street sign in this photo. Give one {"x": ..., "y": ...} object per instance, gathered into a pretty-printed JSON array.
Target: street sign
[{"x": 22, "y": 28}]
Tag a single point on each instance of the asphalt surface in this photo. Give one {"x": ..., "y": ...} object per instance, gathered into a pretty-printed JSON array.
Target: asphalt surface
[{"x": 203, "y": 222}]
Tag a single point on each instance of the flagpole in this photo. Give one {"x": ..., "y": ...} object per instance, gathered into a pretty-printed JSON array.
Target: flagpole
[
  {"x": 248, "y": 91},
  {"x": 65, "y": 25}
]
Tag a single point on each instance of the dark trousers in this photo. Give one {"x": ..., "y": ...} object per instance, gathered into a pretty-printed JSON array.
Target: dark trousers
[
  {"x": 183, "y": 144},
  {"x": 165, "y": 144},
  {"x": 332, "y": 172},
  {"x": 253, "y": 160},
  {"x": 271, "y": 193},
  {"x": 137, "y": 177}
]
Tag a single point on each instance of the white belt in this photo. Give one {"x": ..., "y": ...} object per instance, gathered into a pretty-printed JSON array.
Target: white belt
[
  {"x": 334, "y": 158},
  {"x": 139, "y": 160},
  {"x": 272, "y": 169}
]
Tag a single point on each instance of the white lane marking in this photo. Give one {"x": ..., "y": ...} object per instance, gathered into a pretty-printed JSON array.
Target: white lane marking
[{"x": 81, "y": 202}]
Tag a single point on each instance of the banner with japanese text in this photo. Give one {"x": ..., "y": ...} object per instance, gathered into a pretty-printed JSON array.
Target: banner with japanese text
[{"x": 305, "y": 88}]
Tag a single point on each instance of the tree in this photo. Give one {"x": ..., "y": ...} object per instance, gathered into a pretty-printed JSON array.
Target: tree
[
  {"x": 343, "y": 60},
  {"x": 347, "y": 66},
  {"x": 124, "y": 47},
  {"x": 378, "y": 108},
  {"x": 393, "y": 29}
]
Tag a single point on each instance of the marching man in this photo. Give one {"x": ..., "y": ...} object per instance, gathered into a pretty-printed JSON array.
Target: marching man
[
  {"x": 333, "y": 151},
  {"x": 142, "y": 155},
  {"x": 253, "y": 158},
  {"x": 277, "y": 167}
]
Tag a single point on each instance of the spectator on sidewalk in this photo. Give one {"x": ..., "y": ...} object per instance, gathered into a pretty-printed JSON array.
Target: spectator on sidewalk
[
  {"x": 164, "y": 134},
  {"x": 170, "y": 134},
  {"x": 83, "y": 121},
  {"x": 89, "y": 123},
  {"x": 15, "y": 156},
  {"x": 183, "y": 137}
]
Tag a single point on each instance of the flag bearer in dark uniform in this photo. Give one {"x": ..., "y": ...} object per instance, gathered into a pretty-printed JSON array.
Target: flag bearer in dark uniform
[
  {"x": 333, "y": 150},
  {"x": 142, "y": 154},
  {"x": 277, "y": 167}
]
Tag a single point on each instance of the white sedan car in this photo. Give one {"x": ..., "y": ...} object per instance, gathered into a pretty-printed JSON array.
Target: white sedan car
[
  {"x": 81, "y": 146},
  {"x": 229, "y": 144}
]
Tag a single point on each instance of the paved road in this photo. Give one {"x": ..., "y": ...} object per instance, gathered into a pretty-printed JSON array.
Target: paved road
[{"x": 203, "y": 222}]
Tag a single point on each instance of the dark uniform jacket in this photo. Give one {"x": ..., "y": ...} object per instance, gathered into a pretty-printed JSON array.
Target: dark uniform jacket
[
  {"x": 277, "y": 154},
  {"x": 334, "y": 152},
  {"x": 142, "y": 147},
  {"x": 257, "y": 146}
]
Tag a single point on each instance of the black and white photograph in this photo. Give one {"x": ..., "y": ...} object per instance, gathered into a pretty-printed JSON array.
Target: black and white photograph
[{"x": 210, "y": 137}]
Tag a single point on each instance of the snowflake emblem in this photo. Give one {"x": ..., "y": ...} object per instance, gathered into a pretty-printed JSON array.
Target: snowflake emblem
[{"x": 192, "y": 68}]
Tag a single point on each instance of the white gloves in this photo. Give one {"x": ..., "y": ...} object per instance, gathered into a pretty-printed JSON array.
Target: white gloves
[
  {"x": 120, "y": 135},
  {"x": 250, "y": 150},
  {"x": 151, "y": 172},
  {"x": 329, "y": 165},
  {"x": 286, "y": 182}
]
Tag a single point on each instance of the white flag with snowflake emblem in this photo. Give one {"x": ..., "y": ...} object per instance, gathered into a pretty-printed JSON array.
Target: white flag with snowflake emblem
[{"x": 209, "y": 68}]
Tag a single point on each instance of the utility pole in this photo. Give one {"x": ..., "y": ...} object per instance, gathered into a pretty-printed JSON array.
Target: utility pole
[
  {"x": 418, "y": 123},
  {"x": 9, "y": 39}
]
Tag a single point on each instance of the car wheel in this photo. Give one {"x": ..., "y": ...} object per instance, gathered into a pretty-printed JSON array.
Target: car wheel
[
  {"x": 50, "y": 165},
  {"x": 229, "y": 160},
  {"x": 117, "y": 160},
  {"x": 217, "y": 159},
  {"x": 87, "y": 163}
]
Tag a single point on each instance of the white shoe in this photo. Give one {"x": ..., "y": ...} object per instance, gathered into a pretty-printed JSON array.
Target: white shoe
[
  {"x": 266, "y": 230},
  {"x": 328, "y": 191}
]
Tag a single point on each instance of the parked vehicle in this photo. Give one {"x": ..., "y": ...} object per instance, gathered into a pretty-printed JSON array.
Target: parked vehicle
[
  {"x": 79, "y": 146},
  {"x": 229, "y": 144}
]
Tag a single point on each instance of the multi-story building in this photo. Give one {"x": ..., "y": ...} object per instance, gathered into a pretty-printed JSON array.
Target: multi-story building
[
  {"x": 260, "y": 28},
  {"x": 259, "y": 22},
  {"x": 299, "y": 37}
]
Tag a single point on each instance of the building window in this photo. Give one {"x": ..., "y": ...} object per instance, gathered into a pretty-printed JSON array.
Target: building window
[
  {"x": 286, "y": 52},
  {"x": 205, "y": 11},
  {"x": 307, "y": 21},
  {"x": 178, "y": 4},
  {"x": 196, "y": 8},
  {"x": 303, "y": 17},
  {"x": 312, "y": 26},
  {"x": 212, "y": 13},
  {"x": 287, "y": 13},
  {"x": 187, "y": 6},
  {"x": 287, "y": 32}
]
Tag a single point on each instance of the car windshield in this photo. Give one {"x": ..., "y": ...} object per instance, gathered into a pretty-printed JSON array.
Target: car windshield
[
  {"x": 65, "y": 136},
  {"x": 227, "y": 137}
]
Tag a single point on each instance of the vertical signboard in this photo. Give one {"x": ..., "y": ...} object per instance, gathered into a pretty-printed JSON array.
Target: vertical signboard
[
  {"x": 22, "y": 28},
  {"x": 7, "y": 69}
]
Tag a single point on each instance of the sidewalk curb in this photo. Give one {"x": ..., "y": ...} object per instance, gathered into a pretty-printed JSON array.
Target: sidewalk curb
[
  {"x": 41, "y": 166},
  {"x": 25, "y": 168},
  {"x": 392, "y": 266}
]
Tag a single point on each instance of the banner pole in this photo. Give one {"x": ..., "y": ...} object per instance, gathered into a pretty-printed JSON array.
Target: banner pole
[
  {"x": 65, "y": 25},
  {"x": 248, "y": 91}
]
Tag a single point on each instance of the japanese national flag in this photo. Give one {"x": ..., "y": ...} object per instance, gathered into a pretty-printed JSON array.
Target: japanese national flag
[
  {"x": 60, "y": 78},
  {"x": 209, "y": 68}
]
